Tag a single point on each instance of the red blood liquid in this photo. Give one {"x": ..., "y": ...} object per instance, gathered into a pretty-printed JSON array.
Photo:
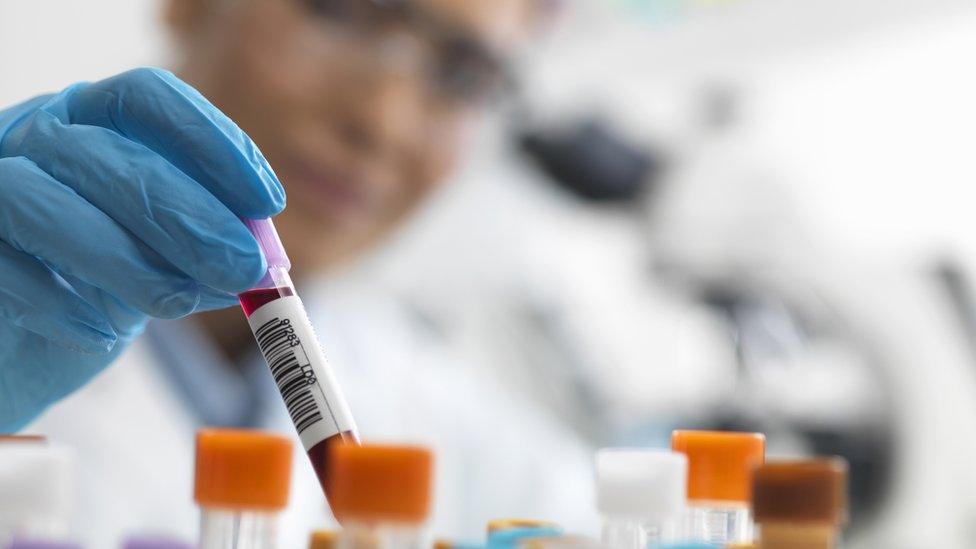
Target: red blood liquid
[
  {"x": 252, "y": 300},
  {"x": 319, "y": 454}
]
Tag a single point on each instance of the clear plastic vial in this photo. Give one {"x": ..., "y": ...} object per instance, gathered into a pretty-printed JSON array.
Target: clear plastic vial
[
  {"x": 36, "y": 491},
  {"x": 641, "y": 497},
  {"x": 720, "y": 467},
  {"x": 718, "y": 522},
  {"x": 241, "y": 484},
  {"x": 381, "y": 495}
]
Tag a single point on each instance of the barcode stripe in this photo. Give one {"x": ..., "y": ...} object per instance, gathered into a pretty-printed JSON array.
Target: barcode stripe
[{"x": 278, "y": 343}]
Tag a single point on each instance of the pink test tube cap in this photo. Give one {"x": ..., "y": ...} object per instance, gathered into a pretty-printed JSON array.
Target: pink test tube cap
[{"x": 266, "y": 235}]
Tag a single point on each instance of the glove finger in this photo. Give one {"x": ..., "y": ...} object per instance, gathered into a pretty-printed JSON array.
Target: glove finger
[
  {"x": 159, "y": 110},
  {"x": 127, "y": 322},
  {"x": 146, "y": 195},
  {"x": 37, "y": 299},
  {"x": 43, "y": 218},
  {"x": 212, "y": 299}
]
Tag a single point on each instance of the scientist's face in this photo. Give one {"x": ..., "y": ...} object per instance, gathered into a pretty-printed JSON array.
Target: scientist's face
[{"x": 361, "y": 106}]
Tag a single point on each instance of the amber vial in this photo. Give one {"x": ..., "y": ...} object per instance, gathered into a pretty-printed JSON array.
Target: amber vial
[{"x": 800, "y": 504}]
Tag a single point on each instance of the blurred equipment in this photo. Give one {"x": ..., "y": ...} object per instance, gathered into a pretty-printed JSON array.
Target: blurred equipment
[
  {"x": 722, "y": 229},
  {"x": 590, "y": 160}
]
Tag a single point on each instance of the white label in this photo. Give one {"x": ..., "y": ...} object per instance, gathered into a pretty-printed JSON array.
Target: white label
[{"x": 308, "y": 387}]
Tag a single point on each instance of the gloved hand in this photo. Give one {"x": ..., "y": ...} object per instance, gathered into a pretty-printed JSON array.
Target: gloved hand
[{"x": 119, "y": 201}]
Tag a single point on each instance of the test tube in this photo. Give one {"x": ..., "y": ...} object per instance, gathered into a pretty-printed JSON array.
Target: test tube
[
  {"x": 800, "y": 504},
  {"x": 241, "y": 484},
  {"x": 641, "y": 496},
  {"x": 286, "y": 339},
  {"x": 720, "y": 467},
  {"x": 36, "y": 491},
  {"x": 381, "y": 495}
]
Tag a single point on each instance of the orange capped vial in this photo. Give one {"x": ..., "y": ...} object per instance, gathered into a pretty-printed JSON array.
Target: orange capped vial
[
  {"x": 381, "y": 494},
  {"x": 241, "y": 483},
  {"x": 720, "y": 468}
]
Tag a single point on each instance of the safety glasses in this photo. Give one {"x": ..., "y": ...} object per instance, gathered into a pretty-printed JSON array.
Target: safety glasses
[{"x": 398, "y": 34}]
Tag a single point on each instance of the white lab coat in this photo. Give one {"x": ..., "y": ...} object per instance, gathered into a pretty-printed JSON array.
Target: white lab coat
[{"x": 497, "y": 455}]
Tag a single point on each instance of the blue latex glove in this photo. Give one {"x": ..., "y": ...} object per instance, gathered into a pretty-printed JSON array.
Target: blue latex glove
[{"x": 119, "y": 201}]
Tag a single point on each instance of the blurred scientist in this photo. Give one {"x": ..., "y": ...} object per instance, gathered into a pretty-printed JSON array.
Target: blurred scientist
[{"x": 119, "y": 202}]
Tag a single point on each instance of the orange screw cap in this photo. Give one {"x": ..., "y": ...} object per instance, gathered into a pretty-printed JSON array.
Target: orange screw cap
[
  {"x": 240, "y": 469},
  {"x": 374, "y": 483},
  {"x": 323, "y": 539},
  {"x": 720, "y": 464}
]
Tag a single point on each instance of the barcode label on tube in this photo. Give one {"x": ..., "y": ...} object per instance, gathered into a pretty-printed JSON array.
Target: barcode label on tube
[{"x": 298, "y": 365}]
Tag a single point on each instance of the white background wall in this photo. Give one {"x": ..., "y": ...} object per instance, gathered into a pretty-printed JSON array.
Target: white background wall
[
  {"x": 881, "y": 134},
  {"x": 48, "y": 44}
]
